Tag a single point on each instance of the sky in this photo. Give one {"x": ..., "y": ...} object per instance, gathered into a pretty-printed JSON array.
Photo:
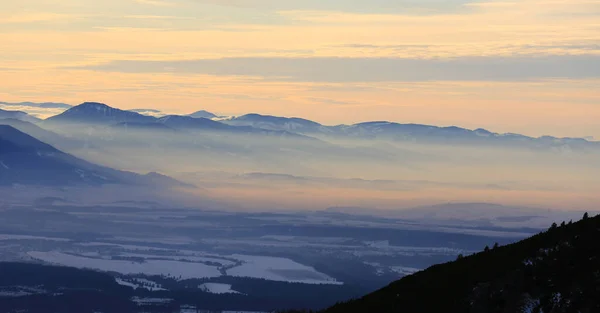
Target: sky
[{"x": 526, "y": 66}]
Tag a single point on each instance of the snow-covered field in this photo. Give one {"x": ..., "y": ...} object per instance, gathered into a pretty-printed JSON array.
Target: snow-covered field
[
  {"x": 175, "y": 269},
  {"x": 217, "y": 288},
  {"x": 188, "y": 267},
  {"x": 278, "y": 269},
  {"x": 188, "y": 258}
]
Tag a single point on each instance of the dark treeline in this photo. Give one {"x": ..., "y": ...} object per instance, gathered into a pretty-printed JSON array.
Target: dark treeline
[
  {"x": 70, "y": 290},
  {"x": 553, "y": 272}
]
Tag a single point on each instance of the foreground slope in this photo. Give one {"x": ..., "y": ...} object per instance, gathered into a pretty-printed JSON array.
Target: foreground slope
[{"x": 554, "y": 271}]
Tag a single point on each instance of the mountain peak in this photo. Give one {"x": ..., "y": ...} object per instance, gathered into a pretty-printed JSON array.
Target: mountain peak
[
  {"x": 99, "y": 113},
  {"x": 94, "y": 104},
  {"x": 203, "y": 114}
]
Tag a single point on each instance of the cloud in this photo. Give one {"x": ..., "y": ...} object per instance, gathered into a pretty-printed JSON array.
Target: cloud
[
  {"x": 33, "y": 17},
  {"x": 156, "y": 3},
  {"x": 34, "y": 109},
  {"x": 156, "y": 17},
  {"x": 374, "y": 69},
  {"x": 362, "y": 6},
  {"x": 150, "y": 112}
]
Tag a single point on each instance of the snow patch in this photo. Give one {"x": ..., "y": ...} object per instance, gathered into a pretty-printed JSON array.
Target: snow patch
[
  {"x": 136, "y": 283},
  {"x": 278, "y": 269},
  {"x": 216, "y": 288},
  {"x": 173, "y": 269}
]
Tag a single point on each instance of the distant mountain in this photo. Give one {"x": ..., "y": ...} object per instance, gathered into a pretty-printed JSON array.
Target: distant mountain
[
  {"x": 277, "y": 123},
  {"x": 418, "y": 133},
  {"x": 478, "y": 214},
  {"x": 28, "y": 161},
  {"x": 453, "y": 135},
  {"x": 98, "y": 114},
  {"x": 19, "y": 115},
  {"x": 44, "y": 105},
  {"x": 203, "y": 114},
  {"x": 554, "y": 271},
  {"x": 91, "y": 113},
  {"x": 203, "y": 124}
]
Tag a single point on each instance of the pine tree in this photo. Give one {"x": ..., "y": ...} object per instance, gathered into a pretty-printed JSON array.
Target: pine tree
[
  {"x": 496, "y": 245},
  {"x": 586, "y": 216},
  {"x": 486, "y": 249}
]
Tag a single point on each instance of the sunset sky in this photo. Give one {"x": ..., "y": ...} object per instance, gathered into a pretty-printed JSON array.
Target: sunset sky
[{"x": 528, "y": 66}]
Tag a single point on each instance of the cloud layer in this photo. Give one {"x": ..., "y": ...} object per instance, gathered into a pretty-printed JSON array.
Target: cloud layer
[{"x": 376, "y": 69}]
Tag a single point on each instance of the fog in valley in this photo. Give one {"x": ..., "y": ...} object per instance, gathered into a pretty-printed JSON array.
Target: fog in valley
[
  {"x": 258, "y": 213},
  {"x": 279, "y": 170}
]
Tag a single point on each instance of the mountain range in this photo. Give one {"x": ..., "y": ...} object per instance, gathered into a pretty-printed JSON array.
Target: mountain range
[{"x": 99, "y": 114}]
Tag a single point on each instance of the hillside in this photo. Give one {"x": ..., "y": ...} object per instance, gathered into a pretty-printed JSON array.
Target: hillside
[
  {"x": 554, "y": 271},
  {"x": 18, "y": 115},
  {"x": 28, "y": 161}
]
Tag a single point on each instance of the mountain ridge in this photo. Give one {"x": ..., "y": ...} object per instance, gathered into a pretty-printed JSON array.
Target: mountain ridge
[{"x": 363, "y": 130}]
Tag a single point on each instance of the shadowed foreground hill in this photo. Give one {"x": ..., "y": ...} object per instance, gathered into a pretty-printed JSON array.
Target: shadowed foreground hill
[
  {"x": 555, "y": 271},
  {"x": 27, "y": 161}
]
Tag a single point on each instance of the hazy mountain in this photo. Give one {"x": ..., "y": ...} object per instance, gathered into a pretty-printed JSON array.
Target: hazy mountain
[
  {"x": 98, "y": 114},
  {"x": 277, "y": 123},
  {"x": 26, "y": 160},
  {"x": 453, "y": 135},
  {"x": 91, "y": 113},
  {"x": 383, "y": 130},
  {"x": 203, "y": 114},
  {"x": 554, "y": 271},
  {"x": 204, "y": 124},
  {"x": 479, "y": 214},
  {"x": 19, "y": 115}
]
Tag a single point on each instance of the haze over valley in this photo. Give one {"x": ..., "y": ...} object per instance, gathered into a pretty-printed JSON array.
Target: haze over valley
[
  {"x": 223, "y": 203},
  {"x": 269, "y": 156}
]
